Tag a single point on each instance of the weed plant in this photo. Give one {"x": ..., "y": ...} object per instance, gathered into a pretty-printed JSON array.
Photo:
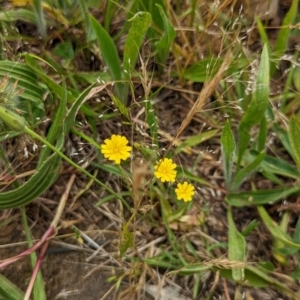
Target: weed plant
[{"x": 189, "y": 138}]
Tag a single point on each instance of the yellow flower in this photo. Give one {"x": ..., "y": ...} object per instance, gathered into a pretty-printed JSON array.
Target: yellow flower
[
  {"x": 185, "y": 191},
  {"x": 116, "y": 148},
  {"x": 165, "y": 170}
]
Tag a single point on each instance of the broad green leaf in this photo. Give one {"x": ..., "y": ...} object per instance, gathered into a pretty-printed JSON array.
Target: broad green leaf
[
  {"x": 152, "y": 8},
  {"x": 243, "y": 173},
  {"x": 204, "y": 69},
  {"x": 169, "y": 34},
  {"x": 13, "y": 15},
  {"x": 110, "y": 56},
  {"x": 236, "y": 247},
  {"x": 140, "y": 24},
  {"x": 274, "y": 229},
  {"x": 296, "y": 78},
  {"x": 284, "y": 33},
  {"x": 294, "y": 138},
  {"x": 296, "y": 236},
  {"x": 261, "y": 197},
  {"x": 9, "y": 291},
  {"x": 262, "y": 135},
  {"x": 228, "y": 150},
  {"x": 196, "y": 140},
  {"x": 258, "y": 105},
  {"x": 64, "y": 50},
  {"x": 276, "y": 165}
]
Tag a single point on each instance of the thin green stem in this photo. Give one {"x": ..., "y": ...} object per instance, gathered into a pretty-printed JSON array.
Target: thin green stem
[{"x": 39, "y": 138}]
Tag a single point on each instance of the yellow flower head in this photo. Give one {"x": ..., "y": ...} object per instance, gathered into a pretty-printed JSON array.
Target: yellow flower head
[
  {"x": 185, "y": 191},
  {"x": 116, "y": 148},
  {"x": 165, "y": 170}
]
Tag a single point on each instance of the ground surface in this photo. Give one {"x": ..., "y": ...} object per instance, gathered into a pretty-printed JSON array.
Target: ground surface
[{"x": 83, "y": 272}]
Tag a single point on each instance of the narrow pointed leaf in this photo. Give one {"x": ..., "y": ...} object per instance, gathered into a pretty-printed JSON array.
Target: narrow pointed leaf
[
  {"x": 228, "y": 149},
  {"x": 294, "y": 138},
  {"x": 258, "y": 105},
  {"x": 261, "y": 197},
  {"x": 236, "y": 247}
]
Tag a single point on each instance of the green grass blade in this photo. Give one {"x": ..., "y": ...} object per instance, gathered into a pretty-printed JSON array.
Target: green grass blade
[
  {"x": 236, "y": 247},
  {"x": 18, "y": 14},
  {"x": 258, "y": 105},
  {"x": 56, "y": 133},
  {"x": 110, "y": 10},
  {"x": 276, "y": 165},
  {"x": 274, "y": 229},
  {"x": 196, "y": 140},
  {"x": 228, "y": 150},
  {"x": 262, "y": 135},
  {"x": 284, "y": 34},
  {"x": 164, "y": 44},
  {"x": 152, "y": 121},
  {"x": 110, "y": 55},
  {"x": 9, "y": 291},
  {"x": 87, "y": 21},
  {"x": 39, "y": 286},
  {"x": 39, "y": 15},
  {"x": 242, "y": 174},
  {"x": 38, "y": 183},
  {"x": 294, "y": 138},
  {"x": 26, "y": 79},
  {"x": 261, "y": 197}
]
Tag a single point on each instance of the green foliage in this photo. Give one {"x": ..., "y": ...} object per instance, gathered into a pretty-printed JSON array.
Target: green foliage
[
  {"x": 110, "y": 55},
  {"x": 169, "y": 34},
  {"x": 255, "y": 112},
  {"x": 228, "y": 151},
  {"x": 236, "y": 248},
  {"x": 32, "y": 87},
  {"x": 284, "y": 33},
  {"x": 294, "y": 137},
  {"x": 9, "y": 291}
]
